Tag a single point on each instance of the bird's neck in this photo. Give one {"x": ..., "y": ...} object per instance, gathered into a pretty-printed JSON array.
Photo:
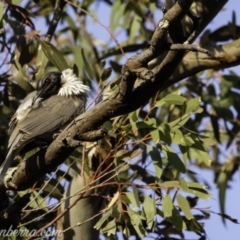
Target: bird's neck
[{"x": 73, "y": 88}]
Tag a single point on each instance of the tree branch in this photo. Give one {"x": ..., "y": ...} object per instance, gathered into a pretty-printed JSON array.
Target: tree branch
[
  {"x": 59, "y": 5},
  {"x": 222, "y": 56}
]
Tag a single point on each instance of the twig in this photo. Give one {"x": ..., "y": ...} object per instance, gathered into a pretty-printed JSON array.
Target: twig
[{"x": 187, "y": 47}]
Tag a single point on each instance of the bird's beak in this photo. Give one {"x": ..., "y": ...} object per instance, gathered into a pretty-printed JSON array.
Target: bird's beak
[
  {"x": 50, "y": 86},
  {"x": 45, "y": 89}
]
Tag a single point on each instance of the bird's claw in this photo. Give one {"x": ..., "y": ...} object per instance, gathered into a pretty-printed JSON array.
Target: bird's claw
[{"x": 8, "y": 179}]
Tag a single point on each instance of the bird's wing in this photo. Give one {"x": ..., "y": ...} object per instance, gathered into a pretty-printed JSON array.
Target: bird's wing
[
  {"x": 23, "y": 109},
  {"x": 52, "y": 114}
]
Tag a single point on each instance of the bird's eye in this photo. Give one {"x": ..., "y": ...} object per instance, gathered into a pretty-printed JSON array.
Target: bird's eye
[{"x": 47, "y": 80}]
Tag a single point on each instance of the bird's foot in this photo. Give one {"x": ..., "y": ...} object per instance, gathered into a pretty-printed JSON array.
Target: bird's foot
[
  {"x": 8, "y": 179},
  {"x": 55, "y": 135}
]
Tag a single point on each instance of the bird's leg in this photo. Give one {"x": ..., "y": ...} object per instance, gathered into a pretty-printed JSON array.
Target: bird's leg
[
  {"x": 55, "y": 135},
  {"x": 8, "y": 179},
  {"x": 72, "y": 143}
]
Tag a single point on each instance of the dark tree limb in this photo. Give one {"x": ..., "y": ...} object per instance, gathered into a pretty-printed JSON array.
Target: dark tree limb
[
  {"x": 222, "y": 56},
  {"x": 59, "y": 5}
]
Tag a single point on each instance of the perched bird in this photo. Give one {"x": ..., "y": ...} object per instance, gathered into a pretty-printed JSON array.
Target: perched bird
[{"x": 45, "y": 112}]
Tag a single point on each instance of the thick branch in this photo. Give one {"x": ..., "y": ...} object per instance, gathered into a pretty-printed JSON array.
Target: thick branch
[
  {"x": 59, "y": 5},
  {"x": 222, "y": 56},
  {"x": 207, "y": 10}
]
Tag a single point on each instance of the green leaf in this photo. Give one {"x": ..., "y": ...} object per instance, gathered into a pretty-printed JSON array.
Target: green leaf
[
  {"x": 194, "y": 226},
  {"x": 174, "y": 99},
  {"x": 155, "y": 135},
  {"x": 135, "y": 27},
  {"x": 196, "y": 185},
  {"x": 169, "y": 184},
  {"x": 37, "y": 201},
  {"x": 194, "y": 188},
  {"x": 183, "y": 184},
  {"x": 136, "y": 220},
  {"x": 138, "y": 8},
  {"x": 110, "y": 228},
  {"x": 192, "y": 105},
  {"x": 41, "y": 62},
  {"x": 133, "y": 116},
  {"x": 179, "y": 122},
  {"x": 167, "y": 206},
  {"x": 103, "y": 219},
  {"x": 106, "y": 74},
  {"x": 149, "y": 208},
  {"x": 173, "y": 158},
  {"x": 157, "y": 161},
  {"x": 152, "y": 122},
  {"x": 121, "y": 153},
  {"x": 133, "y": 198},
  {"x": 184, "y": 205},
  {"x": 188, "y": 141},
  {"x": 177, "y": 137},
  {"x": 54, "y": 55},
  {"x": 177, "y": 220},
  {"x": 126, "y": 232},
  {"x": 142, "y": 125},
  {"x": 222, "y": 182},
  {"x": 20, "y": 76},
  {"x": 116, "y": 14},
  {"x": 135, "y": 193},
  {"x": 199, "y": 190},
  {"x": 78, "y": 59},
  {"x": 201, "y": 153},
  {"x": 88, "y": 67},
  {"x": 53, "y": 191},
  {"x": 1, "y": 11},
  {"x": 171, "y": 98},
  {"x": 165, "y": 133},
  {"x": 126, "y": 155},
  {"x": 107, "y": 125}
]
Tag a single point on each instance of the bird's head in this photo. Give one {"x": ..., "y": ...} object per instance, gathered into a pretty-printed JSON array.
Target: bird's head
[
  {"x": 63, "y": 83},
  {"x": 51, "y": 85}
]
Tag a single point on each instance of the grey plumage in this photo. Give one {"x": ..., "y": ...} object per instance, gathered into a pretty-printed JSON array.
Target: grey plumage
[{"x": 45, "y": 112}]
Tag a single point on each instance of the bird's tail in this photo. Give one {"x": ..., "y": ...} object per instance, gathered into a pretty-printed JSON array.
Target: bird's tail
[{"x": 6, "y": 164}]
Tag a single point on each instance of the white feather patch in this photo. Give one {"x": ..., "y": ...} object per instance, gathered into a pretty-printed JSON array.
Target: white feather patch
[{"x": 71, "y": 84}]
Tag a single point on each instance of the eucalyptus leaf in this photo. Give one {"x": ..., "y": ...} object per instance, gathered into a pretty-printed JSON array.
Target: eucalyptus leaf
[{"x": 54, "y": 55}]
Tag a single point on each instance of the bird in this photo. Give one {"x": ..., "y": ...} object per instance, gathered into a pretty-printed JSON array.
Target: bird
[{"x": 45, "y": 112}]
